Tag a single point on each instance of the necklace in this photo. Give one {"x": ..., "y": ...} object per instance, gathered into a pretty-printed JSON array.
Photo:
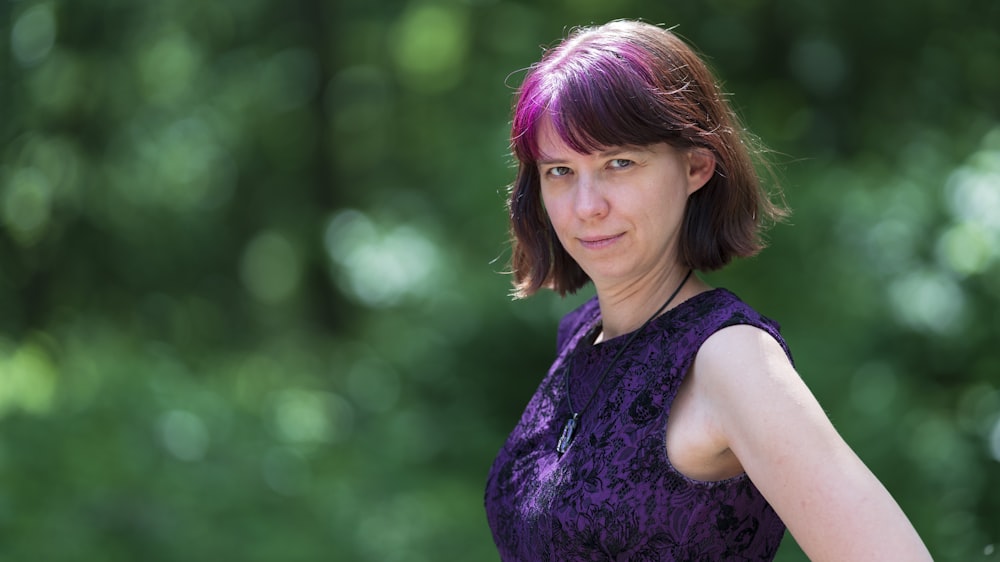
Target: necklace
[{"x": 570, "y": 428}]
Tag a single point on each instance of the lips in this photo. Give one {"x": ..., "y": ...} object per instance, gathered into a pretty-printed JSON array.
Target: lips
[{"x": 599, "y": 242}]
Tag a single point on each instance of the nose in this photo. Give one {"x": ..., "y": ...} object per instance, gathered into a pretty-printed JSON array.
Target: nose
[{"x": 590, "y": 199}]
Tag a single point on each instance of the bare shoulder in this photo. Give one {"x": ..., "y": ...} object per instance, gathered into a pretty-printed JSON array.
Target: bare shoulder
[
  {"x": 753, "y": 392},
  {"x": 743, "y": 355}
]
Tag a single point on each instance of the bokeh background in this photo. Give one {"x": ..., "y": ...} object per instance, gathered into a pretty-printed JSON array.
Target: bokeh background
[{"x": 251, "y": 251}]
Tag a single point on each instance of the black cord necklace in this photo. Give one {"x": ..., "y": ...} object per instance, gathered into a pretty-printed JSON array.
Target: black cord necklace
[{"x": 570, "y": 428}]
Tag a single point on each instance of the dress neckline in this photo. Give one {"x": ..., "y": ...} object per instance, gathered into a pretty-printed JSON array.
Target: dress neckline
[{"x": 591, "y": 326}]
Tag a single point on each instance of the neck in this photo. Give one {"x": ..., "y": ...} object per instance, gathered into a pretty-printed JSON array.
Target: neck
[{"x": 626, "y": 309}]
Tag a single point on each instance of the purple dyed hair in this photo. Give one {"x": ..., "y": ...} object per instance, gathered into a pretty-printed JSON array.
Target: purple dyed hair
[{"x": 632, "y": 83}]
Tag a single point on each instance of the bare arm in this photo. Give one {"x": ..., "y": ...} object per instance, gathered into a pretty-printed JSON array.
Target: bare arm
[{"x": 830, "y": 501}]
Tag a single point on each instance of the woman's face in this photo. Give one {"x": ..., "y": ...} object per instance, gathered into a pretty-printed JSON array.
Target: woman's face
[{"x": 618, "y": 212}]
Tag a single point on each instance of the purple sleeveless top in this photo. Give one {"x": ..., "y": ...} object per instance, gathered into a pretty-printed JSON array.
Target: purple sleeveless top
[{"x": 614, "y": 495}]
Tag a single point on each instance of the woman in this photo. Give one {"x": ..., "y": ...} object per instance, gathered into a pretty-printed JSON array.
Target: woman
[{"x": 672, "y": 424}]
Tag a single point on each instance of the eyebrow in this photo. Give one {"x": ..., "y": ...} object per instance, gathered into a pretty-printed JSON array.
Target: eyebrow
[{"x": 544, "y": 160}]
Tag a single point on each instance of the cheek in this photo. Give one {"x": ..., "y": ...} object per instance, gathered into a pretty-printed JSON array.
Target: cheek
[
  {"x": 559, "y": 220},
  {"x": 551, "y": 207}
]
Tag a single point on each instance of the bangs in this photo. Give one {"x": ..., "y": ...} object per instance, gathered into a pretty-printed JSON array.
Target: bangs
[{"x": 596, "y": 98}]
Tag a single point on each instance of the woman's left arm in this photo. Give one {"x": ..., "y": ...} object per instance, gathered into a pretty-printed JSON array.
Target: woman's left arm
[{"x": 830, "y": 501}]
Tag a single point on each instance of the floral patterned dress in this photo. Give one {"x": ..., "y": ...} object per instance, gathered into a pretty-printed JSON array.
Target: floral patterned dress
[{"x": 613, "y": 495}]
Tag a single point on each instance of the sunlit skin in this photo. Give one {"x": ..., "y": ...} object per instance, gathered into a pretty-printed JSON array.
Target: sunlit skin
[{"x": 742, "y": 406}]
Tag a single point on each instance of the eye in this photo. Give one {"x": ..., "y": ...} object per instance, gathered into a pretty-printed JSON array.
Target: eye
[
  {"x": 558, "y": 171},
  {"x": 619, "y": 163}
]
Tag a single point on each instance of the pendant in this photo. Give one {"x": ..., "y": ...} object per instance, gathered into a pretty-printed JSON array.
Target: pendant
[{"x": 567, "y": 434}]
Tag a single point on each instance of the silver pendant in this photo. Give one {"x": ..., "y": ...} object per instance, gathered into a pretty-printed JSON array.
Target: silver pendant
[{"x": 567, "y": 434}]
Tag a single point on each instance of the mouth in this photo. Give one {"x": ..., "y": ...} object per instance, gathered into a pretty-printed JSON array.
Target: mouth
[{"x": 599, "y": 242}]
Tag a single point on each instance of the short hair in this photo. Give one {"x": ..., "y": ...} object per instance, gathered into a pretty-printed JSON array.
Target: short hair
[{"x": 629, "y": 83}]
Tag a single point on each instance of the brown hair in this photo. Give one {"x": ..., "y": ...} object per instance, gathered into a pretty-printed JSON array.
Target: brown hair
[{"x": 632, "y": 83}]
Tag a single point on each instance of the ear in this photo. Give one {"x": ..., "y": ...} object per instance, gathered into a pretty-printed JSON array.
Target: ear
[{"x": 700, "y": 168}]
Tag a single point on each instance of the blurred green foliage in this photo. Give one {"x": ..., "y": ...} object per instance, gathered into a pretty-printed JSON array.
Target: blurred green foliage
[{"x": 250, "y": 295}]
